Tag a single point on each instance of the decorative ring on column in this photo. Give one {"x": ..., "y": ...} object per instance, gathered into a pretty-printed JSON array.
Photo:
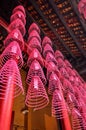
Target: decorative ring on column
[
  {"x": 12, "y": 51},
  {"x": 47, "y": 48},
  {"x": 17, "y": 24},
  {"x": 36, "y": 95},
  {"x": 32, "y": 27},
  {"x": 35, "y": 55},
  {"x": 58, "y": 54},
  {"x": 15, "y": 35},
  {"x": 54, "y": 83},
  {"x": 33, "y": 34},
  {"x": 19, "y": 8},
  {"x": 34, "y": 43},
  {"x": 46, "y": 40},
  {"x": 59, "y": 108},
  {"x": 35, "y": 70},
  {"x": 19, "y": 15},
  {"x": 10, "y": 76},
  {"x": 78, "y": 122}
]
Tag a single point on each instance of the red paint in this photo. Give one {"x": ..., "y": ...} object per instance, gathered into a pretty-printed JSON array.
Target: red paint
[
  {"x": 10, "y": 86},
  {"x": 6, "y": 107}
]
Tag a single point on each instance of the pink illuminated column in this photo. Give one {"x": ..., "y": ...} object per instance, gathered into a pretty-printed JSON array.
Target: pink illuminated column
[
  {"x": 12, "y": 51},
  {"x": 11, "y": 62},
  {"x": 59, "y": 110},
  {"x": 36, "y": 97},
  {"x": 54, "y": 83},
  {"x": 35, "y": 69},
  {"x": 53, "y": 64},
  {"x": 78, "y": 122},
  {"x": 10, "y": 86},
  {"x": 35, "y": 55}
]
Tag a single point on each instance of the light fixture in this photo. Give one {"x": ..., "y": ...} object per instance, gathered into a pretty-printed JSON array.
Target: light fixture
[{"x": 24, "y": 110}]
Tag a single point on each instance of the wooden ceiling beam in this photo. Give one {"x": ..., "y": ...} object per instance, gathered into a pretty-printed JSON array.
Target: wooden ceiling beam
[
  {"x": 33, "y": 20},
  {"x": 78, "y": 65},
  {"x": 33, "y": 2},
  {"x": 83, "y": 72},
  {"x": 61, "y": 17}
]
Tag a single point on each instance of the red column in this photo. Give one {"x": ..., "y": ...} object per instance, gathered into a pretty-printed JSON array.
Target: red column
[
  {"x": 64, "y": 123},
  {"x": 6, "y": 105}
]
